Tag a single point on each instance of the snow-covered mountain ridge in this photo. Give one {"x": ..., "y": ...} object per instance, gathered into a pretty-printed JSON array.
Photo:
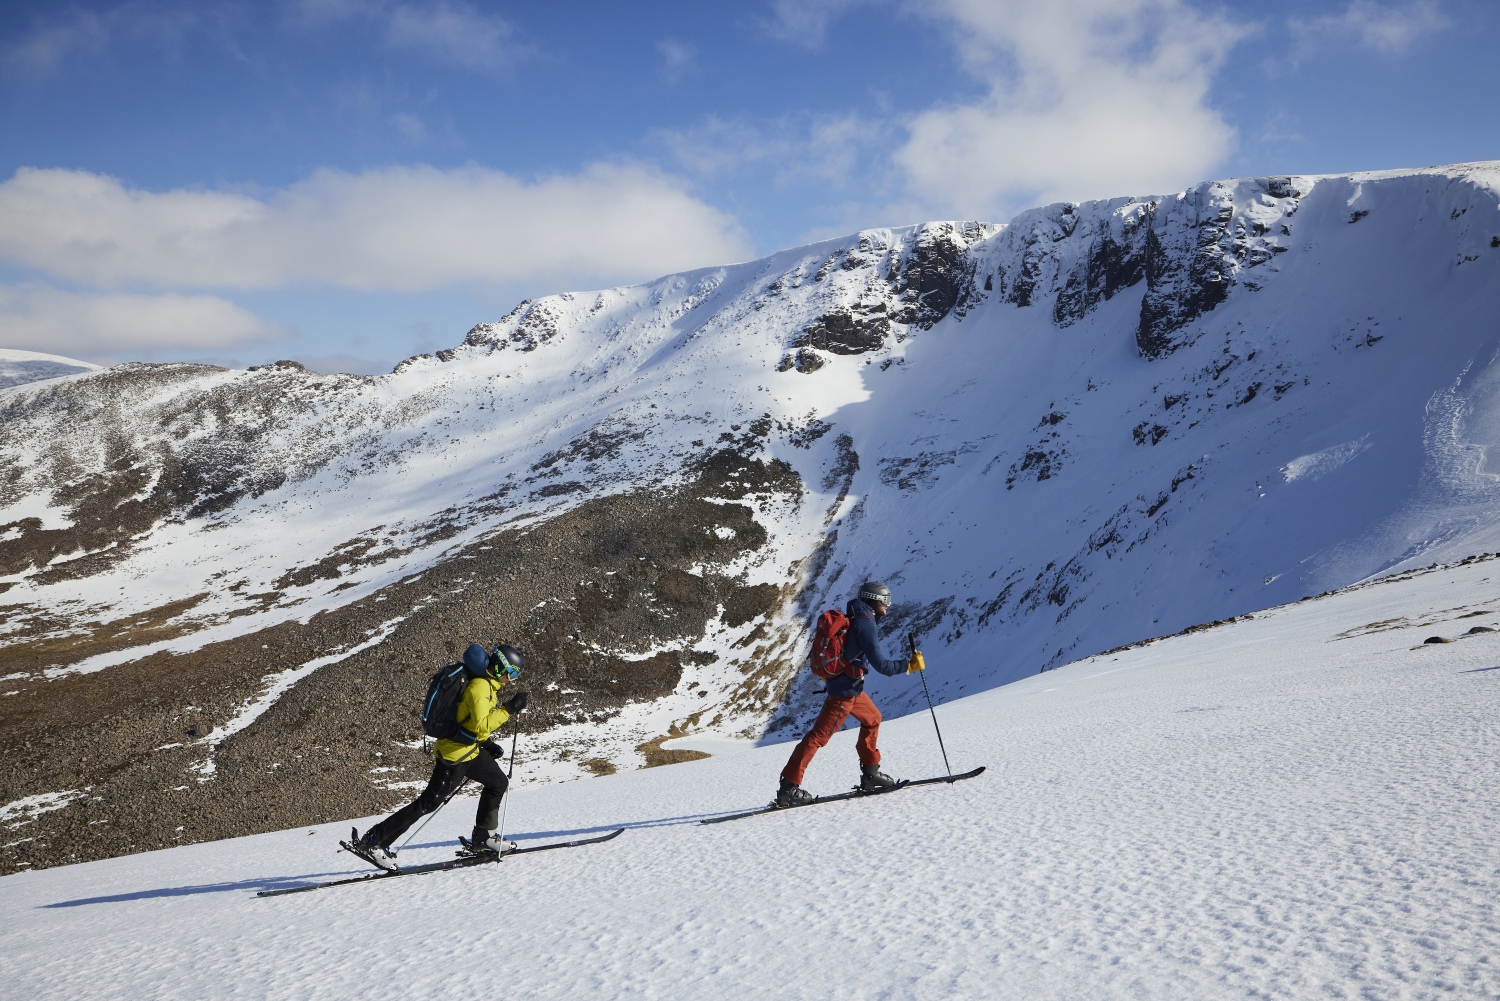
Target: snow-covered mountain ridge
[
  {"x": 1097, "y": 423},
  {"x": 19, "y": 367}
]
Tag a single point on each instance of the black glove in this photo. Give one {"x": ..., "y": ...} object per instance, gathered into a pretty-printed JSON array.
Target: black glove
[
  {"x": 496, "y": 751},
  {"x": 517, "y": 703}
]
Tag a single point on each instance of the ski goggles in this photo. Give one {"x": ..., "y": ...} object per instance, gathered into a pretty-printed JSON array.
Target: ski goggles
[{"x": 500, "y": 665}]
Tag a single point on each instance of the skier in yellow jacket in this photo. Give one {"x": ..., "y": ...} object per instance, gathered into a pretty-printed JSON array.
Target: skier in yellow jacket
[{"x": 468, "y": 755}]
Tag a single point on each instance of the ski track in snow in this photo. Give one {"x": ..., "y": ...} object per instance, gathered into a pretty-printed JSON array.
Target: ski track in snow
[{"x": 1292, "y": 806}]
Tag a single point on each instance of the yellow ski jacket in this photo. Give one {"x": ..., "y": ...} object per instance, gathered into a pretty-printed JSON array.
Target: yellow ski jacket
[{"x": 479, "y": 715}]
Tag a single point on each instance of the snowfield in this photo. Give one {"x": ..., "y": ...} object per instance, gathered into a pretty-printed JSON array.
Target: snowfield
[
  {"x": 17, "y": 367},
  {"x": 1296, "y": 804}
]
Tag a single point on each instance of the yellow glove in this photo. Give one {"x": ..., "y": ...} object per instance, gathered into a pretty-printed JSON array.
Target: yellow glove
[{"x": 916, "y": 663}]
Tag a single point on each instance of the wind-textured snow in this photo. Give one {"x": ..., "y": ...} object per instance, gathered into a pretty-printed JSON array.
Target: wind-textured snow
[{"x": 1293, "y": 805}]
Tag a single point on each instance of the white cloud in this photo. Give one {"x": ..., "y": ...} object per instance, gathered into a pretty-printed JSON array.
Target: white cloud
[
  {"x": 398, "y": 229},
  {"x": 83, "y": 324},
  {"x": 1391, "y": 29},
  {"x": 806, "y": 22},
  {"x": 1086, "y": 98}
]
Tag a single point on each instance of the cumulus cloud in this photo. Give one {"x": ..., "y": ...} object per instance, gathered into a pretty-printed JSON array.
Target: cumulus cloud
[
  {"x": 1085, "y": 98},
  {"x": 1391, "y": 29},
  {"x": 399, "y": 229},
  {"x": 83, "y": 324}
]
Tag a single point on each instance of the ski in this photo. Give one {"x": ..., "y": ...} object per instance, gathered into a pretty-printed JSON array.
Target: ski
[
  {"x": 856, "y": 794},
  {"x": 463, "y": 861}
]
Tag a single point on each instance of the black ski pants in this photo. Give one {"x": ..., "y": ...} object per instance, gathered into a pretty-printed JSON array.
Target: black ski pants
[{"x": 446, "y": 776}]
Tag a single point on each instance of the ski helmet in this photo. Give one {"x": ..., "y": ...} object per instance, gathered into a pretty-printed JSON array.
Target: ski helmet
[
  {"x": 875, "y": 593},
  {"x": 506, "y": 662}
]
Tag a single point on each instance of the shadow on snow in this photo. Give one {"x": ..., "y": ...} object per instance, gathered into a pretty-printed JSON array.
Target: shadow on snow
[{"x": 289, "y": 882}]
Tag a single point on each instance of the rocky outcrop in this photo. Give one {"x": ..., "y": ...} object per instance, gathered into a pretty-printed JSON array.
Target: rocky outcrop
[
  {"x": 933, "y": 275},
  {"x": 527, "y": 327},
  {"x": 1115, "y": 261},
  {"x": 851, "y": 331},
  {"x": 1189, "y": 249}
]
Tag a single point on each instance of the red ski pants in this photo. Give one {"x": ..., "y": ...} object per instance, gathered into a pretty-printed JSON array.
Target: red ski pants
[{"x": 835, "y": 711}]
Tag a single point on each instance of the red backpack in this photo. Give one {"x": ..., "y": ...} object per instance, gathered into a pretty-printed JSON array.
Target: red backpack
[{"x": 827, "y": 659}]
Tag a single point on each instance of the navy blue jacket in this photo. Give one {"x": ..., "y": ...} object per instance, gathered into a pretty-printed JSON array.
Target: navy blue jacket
[{"x": 862, "y": 649}]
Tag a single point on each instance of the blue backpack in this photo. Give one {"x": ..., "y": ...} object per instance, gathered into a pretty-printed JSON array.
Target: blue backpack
[
  {"x": 440, "y": 708},
  {"x": 446, "y": 689}
]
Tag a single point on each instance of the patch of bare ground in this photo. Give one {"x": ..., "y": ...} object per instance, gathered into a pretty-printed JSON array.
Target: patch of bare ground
[
  {"x": 39, "y": 639},
  {"x": 656, "y": 755},
  {"x": 585, "y": 595}
]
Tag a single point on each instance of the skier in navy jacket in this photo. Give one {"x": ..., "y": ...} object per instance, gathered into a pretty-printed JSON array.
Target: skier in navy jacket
[{"x": 846, "y": 697}]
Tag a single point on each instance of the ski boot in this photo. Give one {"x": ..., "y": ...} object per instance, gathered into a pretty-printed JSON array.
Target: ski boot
[
  {"x": 483, "y": 842},
  {"x": 371, "y": 850},
  {"x": 872, "y": 779},
  {"x": 791, "y": 794}
]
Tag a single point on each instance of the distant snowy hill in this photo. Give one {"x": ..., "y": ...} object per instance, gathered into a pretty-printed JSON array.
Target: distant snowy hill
[
  {"x": 18, "y": 367},
  {"x": 1294, "y": 805},
  {"x": 1097, "y": 423}
]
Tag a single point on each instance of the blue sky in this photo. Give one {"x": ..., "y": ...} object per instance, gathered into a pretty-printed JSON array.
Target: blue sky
[{"x": 348, "y": 182}]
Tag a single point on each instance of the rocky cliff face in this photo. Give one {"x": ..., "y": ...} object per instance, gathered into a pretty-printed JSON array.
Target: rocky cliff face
[
  {"x": 1096, "y": 423},
  {"x": 1190, "y": 250}
]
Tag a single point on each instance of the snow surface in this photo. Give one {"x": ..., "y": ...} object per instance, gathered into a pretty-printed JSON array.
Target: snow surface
[
  {"x": 18, "y": 367},
  {"x": 1298, "y": 804}
]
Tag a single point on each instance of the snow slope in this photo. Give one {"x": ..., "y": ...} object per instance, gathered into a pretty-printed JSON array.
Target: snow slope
[
  {"x": 1295, "y": 804},
  {"x": 18, "y": 367}
]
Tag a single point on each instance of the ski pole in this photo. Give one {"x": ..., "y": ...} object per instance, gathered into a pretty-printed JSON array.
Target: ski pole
[
  {"x": 514, "y": 734},
  {"x": 912, "y": 645},
  {"x": 434, "y": 813}
]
